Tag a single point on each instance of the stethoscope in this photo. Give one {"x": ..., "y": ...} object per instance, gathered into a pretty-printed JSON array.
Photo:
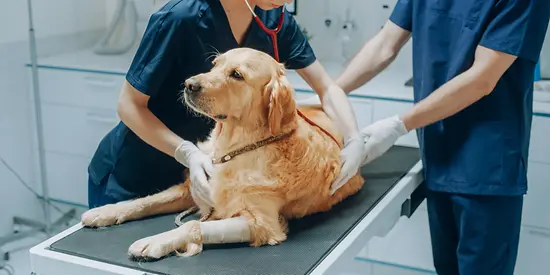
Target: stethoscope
[{"x": 270, "y": 32}]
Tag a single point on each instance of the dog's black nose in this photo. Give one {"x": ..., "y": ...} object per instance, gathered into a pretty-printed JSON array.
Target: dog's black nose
[{"x": 193, "y": 85}]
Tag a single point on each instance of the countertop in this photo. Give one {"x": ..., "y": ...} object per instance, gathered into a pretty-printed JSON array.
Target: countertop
[{"x": 388, "y": 85}]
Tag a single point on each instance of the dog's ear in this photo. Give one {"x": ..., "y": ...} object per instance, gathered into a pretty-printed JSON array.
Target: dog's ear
[{"x": 281, "y": 105}]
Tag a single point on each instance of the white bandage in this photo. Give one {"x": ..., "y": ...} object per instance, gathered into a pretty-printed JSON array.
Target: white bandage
[{"x": 233, "y": 230}]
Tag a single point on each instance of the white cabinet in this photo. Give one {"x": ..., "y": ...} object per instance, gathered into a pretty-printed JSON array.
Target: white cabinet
[
  {"x": 387, "y": 108},
  {"x": 357, "y": 267},
  {"x": 407, "y": 244},
  {"x": 78, "y": 109},
  {"x": 362, "y": 107},
  {"x": 536, "y": 209},
  {"x": 303, "y": 95},
  {"x": 75, "y": 130},
  {"x": 363, "y": 111},
  {"x": 539, "y": 148},
  {"x": 82, "y": 89},
  {"x": 383, "y": 269},
  {"x": 534, "y": 250},
  {"x": 68, "y": 177}
]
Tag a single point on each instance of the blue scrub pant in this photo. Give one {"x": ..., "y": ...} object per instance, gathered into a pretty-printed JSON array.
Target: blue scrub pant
[
  {"x": 96, "y": 194},
  {"x": 474, "y": 235}
]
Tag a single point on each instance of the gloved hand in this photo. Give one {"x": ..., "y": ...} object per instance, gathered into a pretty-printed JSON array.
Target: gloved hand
[
  {"x": 200, "y": 167},
  {"x": 351, "y": 155},
  {"x": 310, "y": 101},
  {"x": 382, "y": 135}
]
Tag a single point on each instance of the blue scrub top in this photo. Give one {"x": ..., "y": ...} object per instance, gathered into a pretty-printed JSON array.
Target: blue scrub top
[
  {"x": 179, "y": 42},
  {"x": 484, "y": 148}
]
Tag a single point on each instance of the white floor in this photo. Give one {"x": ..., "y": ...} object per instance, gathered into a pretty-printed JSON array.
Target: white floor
[{"x": 19, "y": 261}]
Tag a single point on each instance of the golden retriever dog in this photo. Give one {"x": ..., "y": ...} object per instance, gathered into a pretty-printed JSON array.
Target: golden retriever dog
[{"x": 286, "y": 175}]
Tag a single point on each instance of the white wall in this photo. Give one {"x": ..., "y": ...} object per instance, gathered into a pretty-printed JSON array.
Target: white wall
[
  {"x": 366, "y": 17},
  {"x": 56, "y": 22}
]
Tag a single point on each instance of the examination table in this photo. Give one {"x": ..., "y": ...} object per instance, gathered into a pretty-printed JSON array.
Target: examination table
[{"x": 325, "y": 243}]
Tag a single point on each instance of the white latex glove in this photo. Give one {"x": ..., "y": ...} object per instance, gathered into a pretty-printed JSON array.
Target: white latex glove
[
  {"x": 200, "y": 166},
  {"x": 382, "y": 135},
  {"x": 352, "y": 155},
  {"x": 310, "y": 101}
]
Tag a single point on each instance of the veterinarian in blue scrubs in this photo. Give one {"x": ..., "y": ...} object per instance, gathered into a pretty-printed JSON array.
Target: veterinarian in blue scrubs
[
  {"x": 148, "y": 151},
  {"x": 473, "y": 66}
]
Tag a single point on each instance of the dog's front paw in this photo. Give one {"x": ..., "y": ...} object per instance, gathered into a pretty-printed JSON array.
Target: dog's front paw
[
  {"x": 150, "y": 248},
  {"x": 183, "y": 241},
  {"x": 106, "y": 215}
]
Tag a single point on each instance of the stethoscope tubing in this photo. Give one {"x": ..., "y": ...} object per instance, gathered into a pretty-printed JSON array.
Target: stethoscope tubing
[{"x": 272, "y": 33}]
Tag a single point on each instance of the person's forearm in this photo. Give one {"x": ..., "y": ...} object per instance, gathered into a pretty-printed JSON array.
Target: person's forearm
[
  {"x": 373, "y": 58},
  {"x": 334, "y": 101},
  {"x": 457, "y": 94},
  {"x": 148, "y": 127},
  {"x": 338, "y": 108}
]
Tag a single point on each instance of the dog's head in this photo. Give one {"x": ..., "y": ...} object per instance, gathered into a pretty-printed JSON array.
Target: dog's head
[{"x": 245, "y": 86}]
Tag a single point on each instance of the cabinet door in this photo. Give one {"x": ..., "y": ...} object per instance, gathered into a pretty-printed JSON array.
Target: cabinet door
[
  {"x": 382, "y": 269},
  {"x": 74, "y": 130},
  {"x": 83, "y": 89},
  {"x": 539, "y": 148},
  {"x": 67, "y": 177},
  {"x": 363, "y": 111},
  {"x": 387, "y": 108},
  {"x": 534, "y": 250},
  {"x": 536, "y": 208},
  {"x": 407, "y": 244}
]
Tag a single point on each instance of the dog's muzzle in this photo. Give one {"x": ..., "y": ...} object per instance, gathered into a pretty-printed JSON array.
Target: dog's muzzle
[{"x": 192, "y": 86}]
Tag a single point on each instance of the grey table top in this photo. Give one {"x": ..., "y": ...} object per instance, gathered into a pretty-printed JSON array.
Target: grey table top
[{"x": 310, "y": 239}]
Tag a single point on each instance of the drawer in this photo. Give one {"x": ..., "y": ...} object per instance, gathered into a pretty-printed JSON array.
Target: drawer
[
  {"x": 356, "y": 267},
  {"x": 536, "y": 203},
  {"x": 534, "y": 248},
  {"x": 363, "y": 111},
  {"x": 67, "y": 177},
  {"x": 386, "y": 108},
  {"x": 384, "y": 269},
  {"x": 539, "y": 148},
  {"x": 84, "y": 89},
  {"x": 407, "y": 244},
  {"x": 75, "y": 131}
]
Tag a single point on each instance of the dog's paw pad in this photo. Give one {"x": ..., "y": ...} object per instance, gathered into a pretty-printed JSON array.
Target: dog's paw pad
[
  {"x": 100, "y": 217},
  {"x": 149, "y": 248}
]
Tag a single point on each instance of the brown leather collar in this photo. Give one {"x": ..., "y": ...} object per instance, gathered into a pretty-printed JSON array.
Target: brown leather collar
[{"x": 229, "y": 156}]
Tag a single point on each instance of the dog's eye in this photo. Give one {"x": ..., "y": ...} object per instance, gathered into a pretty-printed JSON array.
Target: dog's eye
[{"x": 237, "y": 75}]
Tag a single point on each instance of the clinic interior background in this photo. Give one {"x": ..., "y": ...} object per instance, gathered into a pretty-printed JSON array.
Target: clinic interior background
[
  {"x": 63, "y": 26},
  {"x": 338, "y": 29}
]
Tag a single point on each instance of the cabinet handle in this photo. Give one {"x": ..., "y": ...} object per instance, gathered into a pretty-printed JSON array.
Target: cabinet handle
[
  {"x": 101, "y": 82},
  {"x": 539, "y": 233}
]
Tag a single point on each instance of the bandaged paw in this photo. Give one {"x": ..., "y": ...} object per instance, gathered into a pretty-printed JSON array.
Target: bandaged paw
[
  {"x": 184, "y": 241},
  {"x": 233, "y": 230}
]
